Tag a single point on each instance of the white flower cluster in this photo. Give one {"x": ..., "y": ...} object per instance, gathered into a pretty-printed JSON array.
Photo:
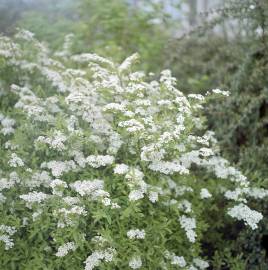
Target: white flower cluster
[
  {"x": 7, "y": 232},
  {"x": 136, "y": 183},
  {"x": 89, "y": 57},
  {"x": 121, "y": 169},
  {"x": 128, "y": 62},
  {"x": 174, "y": 259},
  {"x": 15, "y": 161},
  {"x": 238, "y": 194},
  {"x": 135, "y": 262},
  {"x": 132, "y": 125},
  {"x": 97, "y": 256},
  {"x": 185, "y": 206},
  {"x": 201, "y": 264},
  {"x": 219, "y": 91},
  {"x": 189, "y": 225},
  {"x": 68, "y": 217},
  {"x": 9, "y": 49},
  {"x": 64, "y": 249},
  {"x": 99, "y": 161},
  {"x": 136, "y": 234},
  {"x": 152, "y": 153},
  {"x": 137, "y": 136},
  {"x": 205, "y": 194},
  {"x": 243, "y": 212},
  {"x": 57, "y": 186},
  {"x": 59, "y": 167},
  {"x": 7, "y": 125},
  {"x": 56, "y": 142},
  {"x": 25, "y": 34},
  {"x": 33, "y": 197},
  {"x": 94, "y": 188},
  {"x": 153, "y": 196},
  {"x": 7, "y": 183},
  {"x": 168, "y": 167},
  {"x": 39, "y": 178}
]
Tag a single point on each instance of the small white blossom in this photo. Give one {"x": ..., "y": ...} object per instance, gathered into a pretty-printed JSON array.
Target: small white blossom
[
  {"x": 64, "y": 249},
  {"x": 135, "y": 195},
  {"x": 15, "y": 161},
  {"x": 33, "y": 197},
  {"x": 121, "y": 169},
  {"x": 7, "y": 232},
  {"x": 178, "y": 260},
  {"x": 136, "y": 234},
  {"x": 185, "y": 206},
  {"x": 218, "y": 91},
  {"x": 55, "y": 142},
  {"x": 153, "y": 196},
  {"x": 205, "y": 194},
  {"x": 96, "y": 257},
  {"x": 99, "y": 161},
  {"x": 135, "y": 262},
  {"x": 201, "y": 264},
  {"x": 189, "y": 224},
  {"x": 243, "y": 212}
]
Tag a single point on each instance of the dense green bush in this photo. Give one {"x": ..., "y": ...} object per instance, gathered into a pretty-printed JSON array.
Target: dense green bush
[
  {"x": 101, "y": 167},
  {"x": 234, "y": 60}
]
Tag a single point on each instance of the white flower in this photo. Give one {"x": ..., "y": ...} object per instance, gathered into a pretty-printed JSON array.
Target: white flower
[
  {"x": 15, "y": 161},
  {"x": 243, "y": 212},
  {"x": 96, "y": 257},
  {"x": 153, "y": 196},
  {"x": 186, "y": 206},
  {"x": 8, "y": 125},
  {"x": 135, "y": 262},
  {"x": 55, "y": 142},
  {"x": 175, "y": 260},
  {"x": 128, "y": 62},
  {"x": 201, "y": 264},
  {"x": 25, "y": 34},
  {"x": 168, "y": 167},
  {"x": 131, "y": 125},
  {"x": 57, "y": 182},
  {"x": 188, "y": 224},
  {"x": 135, "y": 195},
  {"x": 196, "y": 96},
  {"x": 218, "y": 91},
  {"x": 33, "y": 197},
  {"x": 99, "y": 161},
  {"x": 5, "y": 237},
  {"x": 136, "y": 234},
  {"x": 7, "y": 241},
  {"x": 87, "y": 187},
  {"x": 121, "y": 169},
  {"x": 205, "y": 194},
  {"x": 206, "y": 152},
  {"x": 64, "y": 249},
  {"x": 257, "y": 193},
  {"x": 59, "y": 167},
  {"x": 7, "y": 229},
  {"x": 115, "y": 107},
  {"x": 178, "y": 260},
  {"x": 57, "y": 185}
]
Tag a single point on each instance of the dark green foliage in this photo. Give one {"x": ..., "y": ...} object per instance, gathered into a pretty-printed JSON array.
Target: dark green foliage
[{"x": 235, "y": 60}]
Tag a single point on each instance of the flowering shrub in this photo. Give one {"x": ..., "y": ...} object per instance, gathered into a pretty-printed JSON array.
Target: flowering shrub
[{"x": 105, "y": 168}]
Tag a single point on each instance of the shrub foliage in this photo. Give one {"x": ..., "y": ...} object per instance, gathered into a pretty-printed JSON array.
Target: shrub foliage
[{"x": 104, "y": 167}]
